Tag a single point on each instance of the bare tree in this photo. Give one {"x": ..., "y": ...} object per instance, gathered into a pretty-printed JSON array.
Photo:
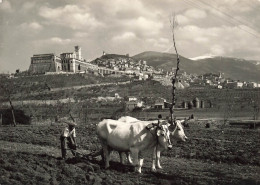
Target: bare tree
[
  {"x": 174, "y": 25},
  {"x": 256, "y": 109}
]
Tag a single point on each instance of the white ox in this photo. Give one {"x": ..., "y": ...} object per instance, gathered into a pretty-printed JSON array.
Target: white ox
[
  {"x": 177, "y": 132},
  {"x": 133, "y": 137}
]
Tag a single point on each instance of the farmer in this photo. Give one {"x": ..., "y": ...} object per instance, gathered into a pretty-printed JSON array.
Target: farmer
[{"x": 68, "y": 139}]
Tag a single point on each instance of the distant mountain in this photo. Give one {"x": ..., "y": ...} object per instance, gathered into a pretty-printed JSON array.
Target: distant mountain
[
  {"x": 237, "y": 69},
  {"x": 162, "y": 60},
  {"x": 202, "y": 57}
]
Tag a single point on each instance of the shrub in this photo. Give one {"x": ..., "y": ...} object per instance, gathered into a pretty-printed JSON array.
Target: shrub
[{"x": 20, "y": 117}]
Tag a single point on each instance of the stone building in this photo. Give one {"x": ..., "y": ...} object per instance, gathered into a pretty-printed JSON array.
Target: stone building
[
  {"x": 42, "y": 63},
  {"x": 67, "y": 62},
  {"x": 73, "y": 61}
]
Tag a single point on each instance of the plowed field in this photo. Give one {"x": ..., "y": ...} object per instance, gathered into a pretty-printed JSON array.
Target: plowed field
[{"x": 30, "y": 155}]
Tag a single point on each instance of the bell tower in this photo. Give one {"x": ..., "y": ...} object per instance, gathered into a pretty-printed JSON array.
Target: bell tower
[{"x": 78, "y": 52}]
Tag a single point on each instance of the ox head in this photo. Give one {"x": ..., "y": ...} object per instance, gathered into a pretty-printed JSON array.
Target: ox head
[
  {"x": 177, "y": 130},
  {"x": 163, "y": 135}
]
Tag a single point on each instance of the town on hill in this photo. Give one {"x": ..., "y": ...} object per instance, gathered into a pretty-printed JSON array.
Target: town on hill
[{"x": 151, "y": 65}]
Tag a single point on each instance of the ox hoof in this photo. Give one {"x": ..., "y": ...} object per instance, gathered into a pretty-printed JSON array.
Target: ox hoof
[
  {"x": 137, "y": 170},
  {"x": 160, "y": 167},
  {"x": 153, "y": 169},
  {"x": 130, "y": 163}
]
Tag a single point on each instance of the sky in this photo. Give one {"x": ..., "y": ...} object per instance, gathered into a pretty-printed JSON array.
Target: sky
[{"x": 204, "y": 28}]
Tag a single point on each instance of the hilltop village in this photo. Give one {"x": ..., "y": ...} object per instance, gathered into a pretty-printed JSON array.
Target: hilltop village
[{"x": 123, "y": 65}]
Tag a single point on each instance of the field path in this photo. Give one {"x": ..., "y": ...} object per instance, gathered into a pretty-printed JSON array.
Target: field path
[
  {"x": 88, "y": 86},
  {"x": 34, "y": 149}
]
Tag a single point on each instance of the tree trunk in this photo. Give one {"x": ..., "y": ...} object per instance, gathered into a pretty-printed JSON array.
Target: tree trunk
[{"x": 12, "y": 109}]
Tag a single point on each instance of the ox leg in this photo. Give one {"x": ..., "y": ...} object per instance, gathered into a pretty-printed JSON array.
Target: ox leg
[
  {"x": 158, "y": 155},
  {"x": 121, "y": 157},
  {"x": 106, "y": 152},
  {"x": 141, "y": 161},
  {"x": 154, "y": 159},
  {"x": 129, "y": 158},
  {"x": 134, "y": 153}
]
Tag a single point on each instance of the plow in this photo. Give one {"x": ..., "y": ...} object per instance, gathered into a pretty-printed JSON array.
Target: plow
[{"x": 89, "y": 156}]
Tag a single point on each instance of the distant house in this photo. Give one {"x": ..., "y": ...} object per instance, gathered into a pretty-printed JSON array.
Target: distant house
[
  {"x": 234, "y": 85},
  {"x": 219, "y": 86},
  {"x": 158, "y": 75},
  {"x": 159, "y": 103},
  {"x": 252, "y": 85},
  {"x": 117, "y": 95},
  {"x": 131, "y": 98},
  {"x": 130, "y": 105},
  {"x": 209, "y": 82},
  {"x": 140, "y": 104},
  {"x": 230, "y": 85},
  {"x": 240, "y": 84}
]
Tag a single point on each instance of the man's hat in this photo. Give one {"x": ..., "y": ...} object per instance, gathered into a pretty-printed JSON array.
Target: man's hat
[
  {"x": 71, "y": 123},
  {"x": 68, "y": 121}
]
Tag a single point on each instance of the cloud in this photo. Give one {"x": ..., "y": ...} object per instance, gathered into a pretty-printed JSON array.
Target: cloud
[
  {"x": 201, "y": 40},
  {"x": 119, "y": 26},
  {"x": 125, "y": 36},
  {"x": 28, "y": 5},
  {"x": 182, "y": 20},
  {"x": 81, "y": 34},
  {"x": 195, "y": 14},
  {"x": 69, "y": 16},
  {"x": 35, "y": 25},
  {"x": 217, "y": 50},
  {"x": 223, "y": 40},
  {"x": 50, "y": 42},
  {"x": 144, "y": 26},
  {"x": 6, "y": 6},
  {"x": 125, "y": 9},
  {"x": 58, "y": 40},
  {"x": 31, "y": 26},
  {"x": 162, "y": 43},
  {"x": 164, "y": 40}
]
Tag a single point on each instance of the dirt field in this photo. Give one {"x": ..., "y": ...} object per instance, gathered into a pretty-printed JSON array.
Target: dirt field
[{"x": 30, "y": 155}]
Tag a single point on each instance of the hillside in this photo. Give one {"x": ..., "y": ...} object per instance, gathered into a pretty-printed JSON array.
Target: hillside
[
  {"x": 165, "y": 60},
  {"x": 232, "y": 67},
  {"x": 239, "y": 69}
]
